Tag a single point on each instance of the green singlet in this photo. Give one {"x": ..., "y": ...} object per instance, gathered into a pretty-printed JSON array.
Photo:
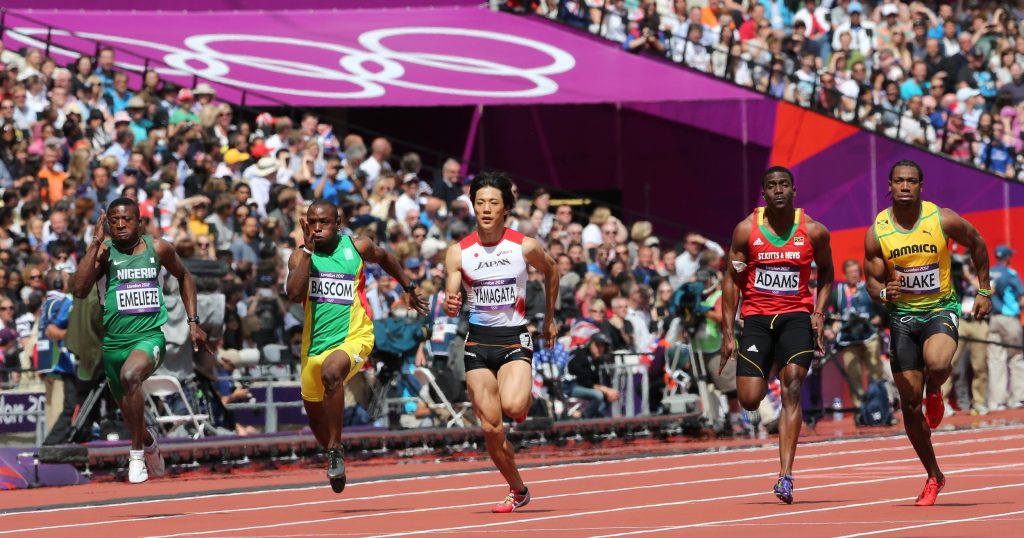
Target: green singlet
[{"x": 134, "y": 311}]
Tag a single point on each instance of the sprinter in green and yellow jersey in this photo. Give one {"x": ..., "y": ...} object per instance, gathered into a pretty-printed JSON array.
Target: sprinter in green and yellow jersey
[
  {"x": 133, "y": 314},
  {"x": 907, "y": 265},
  {"x": 326, "y": 276}
]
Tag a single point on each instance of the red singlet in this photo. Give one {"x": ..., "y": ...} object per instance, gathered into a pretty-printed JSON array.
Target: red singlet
[{"x": 778, "y": 269}]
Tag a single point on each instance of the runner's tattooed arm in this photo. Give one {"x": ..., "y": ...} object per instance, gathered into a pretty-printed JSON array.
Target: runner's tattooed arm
[
  {"x": 821, "y": 241},
  {"x": 731, "y": 285},
  {"x": 540, "y": 260},
  {"x": 90, "y": 269},
  {"x": 373, "y": 253},
  {"x": 964, "y": 233},
  {"x": 170, "y": 260},
  {"x": 453, "y": 280}
]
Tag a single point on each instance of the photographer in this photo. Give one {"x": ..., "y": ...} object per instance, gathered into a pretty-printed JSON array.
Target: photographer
[
  {"x": 583, "y": 377},
  {"x": 708, "y": 341},
  {"x": 267, "y": 308},
  {"x": 855, "y": 333}
]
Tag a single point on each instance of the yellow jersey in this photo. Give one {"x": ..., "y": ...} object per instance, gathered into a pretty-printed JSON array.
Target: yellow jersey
[{"x": 919, "y": 259}]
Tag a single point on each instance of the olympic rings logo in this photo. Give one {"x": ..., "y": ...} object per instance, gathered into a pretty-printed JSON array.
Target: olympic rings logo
[{"x": 199, "y": 57}]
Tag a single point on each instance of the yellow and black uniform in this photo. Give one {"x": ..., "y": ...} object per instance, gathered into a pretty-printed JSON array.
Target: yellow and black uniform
[
  {"x": 919, "y": 260},
  {"x": 337, "y": 315}
]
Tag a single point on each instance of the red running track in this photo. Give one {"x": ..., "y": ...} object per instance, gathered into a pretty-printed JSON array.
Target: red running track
[{"x": 860, "y": 487}]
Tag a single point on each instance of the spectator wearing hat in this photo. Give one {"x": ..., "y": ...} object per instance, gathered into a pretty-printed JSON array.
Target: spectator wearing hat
[
  {"x": 409, "y": 199},
  {"x": 261, "y": 177},
  {"x": 184, "y": 112},
  {"x": 860, "y": 31},
  {"x": 976, "y": 74},
  {"x": 140, "y": 124},
  {"x": 204, "y": 94},
  {"x": 1005, "y": 328},
  {"x": 583, "y": 376}
]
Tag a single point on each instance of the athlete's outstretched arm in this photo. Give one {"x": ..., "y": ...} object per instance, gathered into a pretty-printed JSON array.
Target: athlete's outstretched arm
[
  {"x": 90, "y": 269},
  {"x": 453, "y": 280},
  {"x": 964, "y": 233},
  {"x": 170, "y": 260},
  {"x": 822, "y": 243},
  {"x": 540, "y": 260},
  {"x": 373, "y": 253},
  {"x": 736, "y": 268},
  {"x": 874, "y": 268}
]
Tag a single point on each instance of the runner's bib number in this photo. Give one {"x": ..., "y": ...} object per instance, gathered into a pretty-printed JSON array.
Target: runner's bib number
[
  {"x": 923, "y": 280},
  {"x": 496, "y": 294},
  {"x": 138, "y": 297},
  {"x": 777, "y": 279},
  {"x": 337, "y": 288}
]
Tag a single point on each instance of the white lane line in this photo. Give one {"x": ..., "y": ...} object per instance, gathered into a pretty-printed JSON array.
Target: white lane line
[
  {"x": 603, "y": 491},
  {"x": 772, "y": 446},
  {"x": 959, "y": 442},
  {"x": 813, "y": 510},
  {"x": 935, "y": 523}
]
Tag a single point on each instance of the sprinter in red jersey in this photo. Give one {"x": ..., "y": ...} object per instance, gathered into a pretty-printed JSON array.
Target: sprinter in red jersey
[{"x": 770, "y": 265}]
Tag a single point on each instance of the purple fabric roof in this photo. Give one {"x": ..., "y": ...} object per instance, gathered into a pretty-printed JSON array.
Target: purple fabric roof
[{"x": 412, "y": 57}]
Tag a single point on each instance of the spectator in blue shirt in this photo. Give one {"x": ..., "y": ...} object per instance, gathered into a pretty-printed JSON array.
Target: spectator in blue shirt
[{"x": 1005, "y": 328}]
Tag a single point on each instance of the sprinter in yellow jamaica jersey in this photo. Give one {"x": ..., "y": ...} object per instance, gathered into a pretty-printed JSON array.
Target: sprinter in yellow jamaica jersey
[
  {"x": 907, "y": 265},
  {"x": 326, "y": 275}
]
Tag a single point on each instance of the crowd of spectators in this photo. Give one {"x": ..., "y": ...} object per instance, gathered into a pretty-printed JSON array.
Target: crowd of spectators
[
  {"x": 229, "y": 185},
  {"x": 944, "y": 76}
]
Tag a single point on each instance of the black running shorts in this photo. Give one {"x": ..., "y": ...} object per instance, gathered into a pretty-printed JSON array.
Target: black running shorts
[
  {"x": 494, "y": 347},
  {"x": 774, "y": 340},
  {"x": 908, "y": 334}
]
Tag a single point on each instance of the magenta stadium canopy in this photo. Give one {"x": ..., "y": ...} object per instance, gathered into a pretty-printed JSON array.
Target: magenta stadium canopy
[
  {"x": 569, "y": 110},
  {"x": 383, "y": 57}
]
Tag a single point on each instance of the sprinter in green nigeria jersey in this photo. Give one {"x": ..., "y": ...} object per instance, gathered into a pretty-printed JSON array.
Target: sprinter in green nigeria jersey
[
  {"x": 326, "y": 276},
  {"x": 133, "y": 314}
]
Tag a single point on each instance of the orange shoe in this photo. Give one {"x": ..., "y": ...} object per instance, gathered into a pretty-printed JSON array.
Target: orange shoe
[
  {"x": 931, "y": 491},
  {"x": 513, "y": 501},
  {"x": 934, "y": 409}
]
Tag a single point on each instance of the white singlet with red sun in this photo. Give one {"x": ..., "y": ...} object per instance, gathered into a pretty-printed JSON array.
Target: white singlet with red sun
[{"x": 495, "y": 278}]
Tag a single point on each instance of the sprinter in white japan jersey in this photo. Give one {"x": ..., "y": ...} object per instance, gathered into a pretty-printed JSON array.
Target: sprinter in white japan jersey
[{"x": 491, "y": 265}]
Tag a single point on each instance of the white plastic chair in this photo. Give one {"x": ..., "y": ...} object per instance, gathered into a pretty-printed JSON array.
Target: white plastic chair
[
  {"x": 158, "y": 387},
  {"x": 427, "y": 380}
]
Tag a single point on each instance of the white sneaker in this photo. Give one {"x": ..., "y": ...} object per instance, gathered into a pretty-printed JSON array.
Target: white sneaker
[
  {"x": 1014, "y": 405},
  {"x": 154, "y": 461},
  {"x": 949, "y": 411},
  {"x": 980, "y": 410},
  {"x": 998, "y": 407},
  {"x": 137, "y": 467}
]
